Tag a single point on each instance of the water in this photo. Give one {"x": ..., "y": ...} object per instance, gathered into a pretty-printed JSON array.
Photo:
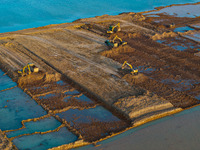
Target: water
[
  {"x": 45, "y": 141},
  {"x": 42, "y": 125},
  {"x": 178, "y": 132},
  {"x": 195, "y": 36},
  {"x": 179, "y": 43},
  {"x": 5, "y": 82},
  {"x": 23, "y": 14},
  {"x": 190, "y": 11},
  {"x": 15, "y": 106},
  {"x": 87, "y": 115},
  {"x": 183, "y": 29}
]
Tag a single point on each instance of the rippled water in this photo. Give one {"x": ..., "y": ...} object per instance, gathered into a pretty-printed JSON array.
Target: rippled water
[{"x": 23, "y": 14}]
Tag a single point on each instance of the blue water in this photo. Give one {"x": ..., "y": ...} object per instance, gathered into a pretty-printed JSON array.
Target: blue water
[
  {"x": 5, "y": 81},
  {"x": 15, "y": 106},
  {"x": 178, "y": 132},
  {"x": 183, "y": 29},
  {"x": 87, "y": 115},
  {"x": 36, "y": 126},
  {"x": 45, "y": 141},
  {"x": 23, "y": 14}
]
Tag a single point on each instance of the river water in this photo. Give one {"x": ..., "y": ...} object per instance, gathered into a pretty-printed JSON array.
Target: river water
[{"x": 23, "y": 14}]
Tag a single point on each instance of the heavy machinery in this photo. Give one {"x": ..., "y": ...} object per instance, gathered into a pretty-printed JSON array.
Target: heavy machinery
[
  {"x": 115, "y": 28},
  {"x": 133, "y": 71},
  {"x": 112, "y": 43},
  {"x": 28, "y": 69}
]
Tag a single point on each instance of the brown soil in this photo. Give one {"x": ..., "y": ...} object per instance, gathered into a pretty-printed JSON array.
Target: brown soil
[
  {"x": 5, "y": 144},
  {"x": 76, "y": 53},
  {"x": 96, "y": 130}
]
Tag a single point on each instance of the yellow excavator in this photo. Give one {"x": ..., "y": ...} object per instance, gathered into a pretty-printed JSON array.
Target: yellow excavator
[
  {"x": 112, "y": 43},
  {"x": 115, "y": 28},
  {"x": 133, "y": 71},
  {"x": 28, "y": 69}
]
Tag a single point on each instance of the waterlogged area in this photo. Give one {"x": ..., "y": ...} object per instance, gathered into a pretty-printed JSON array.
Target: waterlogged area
[
  {"x": 23, "y": 14},
  {"x": 45, "y": 141},
  {"x": 6, "y": 82},
  {"x": 30, "y": 126},
  {"x": 15, "y": 107},
  {"x": 178, "y": 131},
  {"x": 26, "y": 123}
]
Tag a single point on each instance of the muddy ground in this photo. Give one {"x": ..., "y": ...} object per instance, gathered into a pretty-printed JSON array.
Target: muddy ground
[
  {"x": 5, "y": 144},
  {"x": 168, "y": 78}
]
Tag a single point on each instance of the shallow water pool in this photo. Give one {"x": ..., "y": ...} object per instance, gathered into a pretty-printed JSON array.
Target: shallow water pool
[
  {"x": 5, "y": 81},
  {"x": 17, "y": 106},
  {"x": 42, "y": 125},
  {"x": 45, "y": 141}
]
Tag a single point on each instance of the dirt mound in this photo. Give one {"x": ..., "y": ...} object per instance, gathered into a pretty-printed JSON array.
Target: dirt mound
[{"x": 38, "y": 78}]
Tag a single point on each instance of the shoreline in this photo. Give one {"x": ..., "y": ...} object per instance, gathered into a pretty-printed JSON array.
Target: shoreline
[
  {"x": 140, "y": 12},
  {"x": 78, "y": 27}
]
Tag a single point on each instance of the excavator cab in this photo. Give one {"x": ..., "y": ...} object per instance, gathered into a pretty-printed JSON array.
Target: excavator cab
[
  {"x": 28, "y": 69},
  {"x": 133, "y": 71},
  {"x": 115, "y": 28},
  {"x": 113, "y": 43}
]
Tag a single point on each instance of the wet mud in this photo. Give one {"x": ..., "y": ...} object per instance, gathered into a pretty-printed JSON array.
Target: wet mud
[
  {"x": 81, "y": 83},
  {"x": 166, "y": 64}
]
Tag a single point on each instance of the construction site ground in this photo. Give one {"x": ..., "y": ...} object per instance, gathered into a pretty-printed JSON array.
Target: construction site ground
[{"x": 75, "y": 61}]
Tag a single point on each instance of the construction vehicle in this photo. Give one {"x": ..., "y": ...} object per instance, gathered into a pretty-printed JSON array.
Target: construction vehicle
[
  {"x": 133, "y": 71},
  {"x": 115, "y": 28},
  {"x": 28, "y": 69},
  {"x": 112, "y": 43}
]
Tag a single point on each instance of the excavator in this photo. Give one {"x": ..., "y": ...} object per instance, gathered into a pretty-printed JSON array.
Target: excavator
[
  {"x": 133, "y": 71},
  {"x": 28, "y": 69},
  {"x": 112, "y": 29},
  {"x": 112, "y": 43}
]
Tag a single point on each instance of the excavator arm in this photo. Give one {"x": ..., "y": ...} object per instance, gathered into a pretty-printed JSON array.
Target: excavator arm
[
  {"x": 133, "y": 71},
  {"x": 111, "y": 28}
]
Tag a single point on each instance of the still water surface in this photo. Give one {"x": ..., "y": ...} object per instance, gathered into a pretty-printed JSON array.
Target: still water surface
[{"x": 23, "y": 14}]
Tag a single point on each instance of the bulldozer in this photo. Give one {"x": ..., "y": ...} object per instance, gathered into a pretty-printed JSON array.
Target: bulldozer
[
  {"x": 133, "y": 71},
  {"x": 113, "y": 29},
  {"x": 28, "y": 69},
  {"x": 112, "y": 43}
]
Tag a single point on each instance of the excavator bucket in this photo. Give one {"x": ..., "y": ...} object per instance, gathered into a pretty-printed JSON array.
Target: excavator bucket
[
  {"x": 28, "y": 69},
  {"x": 113, "y": 29},
  {"x": 112, "y": 43}
]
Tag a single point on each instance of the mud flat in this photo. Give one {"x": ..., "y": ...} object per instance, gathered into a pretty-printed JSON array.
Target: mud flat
[{"x": 81, "y": 77}]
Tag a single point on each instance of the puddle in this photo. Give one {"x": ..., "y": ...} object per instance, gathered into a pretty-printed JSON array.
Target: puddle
[
  {"x": 196, "y": 25},
  {"x": 15, "y": 107},
  {"x": 195, "y": 36},
  {"x": 6, "y": 82},
  {"x": 72, "y": 92},
  {"x": 180, "y": 85},
  {"x": 183, "y": 29},
  {"x": 60, "y": 82},
  {"x": 153, "y": 16},
  {"x": 88, "y": 115},
  {"x": 45, "y": 141},
  {"x": 190, "y": 11},
  {"x": 47, "y": 96},
  {"x": 197, "y": 97},
  {"x": 144, "y": 69},
  {"x": 93, "y": 123},
  {"x": 179, "y": 43},
  {"x": 81, "y": 98},
  {"x": 42, "y": 125},
  {"x": 84, "y": 98}
]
